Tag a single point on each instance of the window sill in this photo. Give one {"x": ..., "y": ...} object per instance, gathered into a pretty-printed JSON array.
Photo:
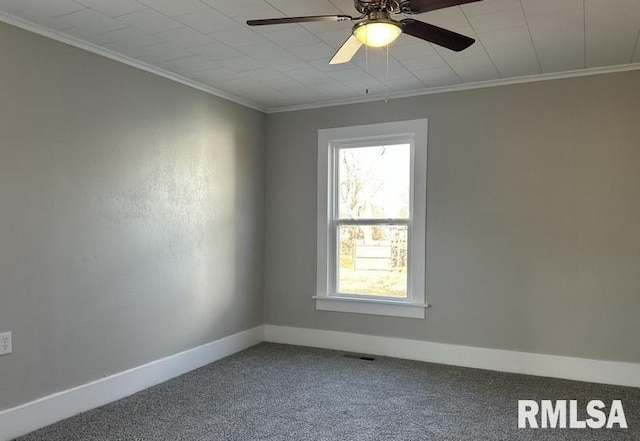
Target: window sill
[{"x": 371, "y": 306}]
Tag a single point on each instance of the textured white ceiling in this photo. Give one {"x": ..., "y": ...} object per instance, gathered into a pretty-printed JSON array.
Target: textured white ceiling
[{"x": 207, "y": 41}]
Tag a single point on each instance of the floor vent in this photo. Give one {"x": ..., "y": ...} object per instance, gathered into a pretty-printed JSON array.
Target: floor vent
[{"x": 359, "y": 357}]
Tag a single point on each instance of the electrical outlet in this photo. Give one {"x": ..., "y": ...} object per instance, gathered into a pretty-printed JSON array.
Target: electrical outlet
[{"x": 5, "y": 343}]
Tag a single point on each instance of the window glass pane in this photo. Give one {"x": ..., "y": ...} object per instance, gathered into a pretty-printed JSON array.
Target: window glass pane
[
  {"x": 373, "y": 182},
  {"x": 372, "y": 260}
]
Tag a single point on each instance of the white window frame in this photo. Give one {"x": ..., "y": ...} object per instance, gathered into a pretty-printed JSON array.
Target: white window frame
[{"x": 413, "y": 132}]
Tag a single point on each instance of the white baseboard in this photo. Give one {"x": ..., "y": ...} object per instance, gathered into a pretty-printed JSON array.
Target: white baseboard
[
  {"x": 48, "y": 410},
  {"x": 581, "y": 369}
]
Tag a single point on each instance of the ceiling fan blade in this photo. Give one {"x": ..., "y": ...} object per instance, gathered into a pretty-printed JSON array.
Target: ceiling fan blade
[
  {"x": 346, "y": 51},
  {"x": 434, "y": 34},
  {"x": 284, "y": 20},
  {"x": 420, "y": 6}
]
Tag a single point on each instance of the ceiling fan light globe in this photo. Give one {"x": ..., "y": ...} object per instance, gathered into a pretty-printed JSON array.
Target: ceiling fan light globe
[{"x": 377, "y": 33}]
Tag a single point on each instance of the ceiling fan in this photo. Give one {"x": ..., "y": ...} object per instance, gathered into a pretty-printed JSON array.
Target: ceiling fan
[{"x": 376, "y": 28}]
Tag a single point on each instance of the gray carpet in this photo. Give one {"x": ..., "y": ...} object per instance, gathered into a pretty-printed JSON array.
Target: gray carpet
[{"x": 279, "y": 392}]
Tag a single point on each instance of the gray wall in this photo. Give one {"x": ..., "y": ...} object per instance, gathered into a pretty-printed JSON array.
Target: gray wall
[
  {"x": 533, "y": 219},
  {"x": 131, "y": 216}
]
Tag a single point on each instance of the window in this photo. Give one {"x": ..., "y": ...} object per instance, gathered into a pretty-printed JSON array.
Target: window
[{"x": 372, "y": 219}]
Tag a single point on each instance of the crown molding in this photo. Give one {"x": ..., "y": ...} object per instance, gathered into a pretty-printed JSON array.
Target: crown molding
[
  {"x": 461, "y": 87},
  {"x": 99, "y": 50}
]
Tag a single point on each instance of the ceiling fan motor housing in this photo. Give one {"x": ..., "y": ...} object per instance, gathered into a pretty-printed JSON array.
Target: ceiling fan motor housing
[{"x": 394, "y": 7}]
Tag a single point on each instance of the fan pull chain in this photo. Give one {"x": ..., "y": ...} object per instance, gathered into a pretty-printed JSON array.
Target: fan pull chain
[
  {"x": 386, "y": 98},
  {"x": 366, "y": 68}
]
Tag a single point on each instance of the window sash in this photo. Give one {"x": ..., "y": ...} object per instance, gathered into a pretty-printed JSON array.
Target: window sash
[
  {"x": 378, "y": 141},
  {"x": 334, "y": 251}
]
